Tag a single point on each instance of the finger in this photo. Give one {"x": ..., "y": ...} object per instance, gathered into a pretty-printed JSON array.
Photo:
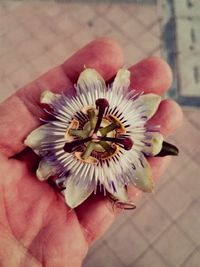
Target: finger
[
  {"x": 169, "y": 116},
  {"x": 20, "y": 113},
  {"x": 152, "y": 75}
]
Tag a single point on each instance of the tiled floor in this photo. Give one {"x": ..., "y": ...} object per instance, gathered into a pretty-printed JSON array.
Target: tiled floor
[{"x": 35, "y": 36}]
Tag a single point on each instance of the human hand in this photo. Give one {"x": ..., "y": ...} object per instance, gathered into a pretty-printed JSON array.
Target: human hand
[{"x": 36, "y": 226}]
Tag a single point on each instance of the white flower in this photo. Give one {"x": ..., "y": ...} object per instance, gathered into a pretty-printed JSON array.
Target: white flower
[{"x": 99, "y": 138}]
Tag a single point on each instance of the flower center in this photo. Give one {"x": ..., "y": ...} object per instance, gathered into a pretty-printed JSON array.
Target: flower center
[{"x": 100, "y": 136}]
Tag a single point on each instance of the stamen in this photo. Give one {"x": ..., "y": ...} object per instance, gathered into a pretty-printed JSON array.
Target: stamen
[
  {"x": 126, "y": 142},
  {"x": 102, "y": 104},
  {"x": 70, "y": 147},
  {"x": 109, "y": 149},
  {"x": 92, "y": 118},
  {"x": 88, "y": 151},
  {"x": 79, "y": 133},
  {"x": 104, "y": 131}
]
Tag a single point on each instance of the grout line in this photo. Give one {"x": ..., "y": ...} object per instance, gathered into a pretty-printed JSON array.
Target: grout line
[
  {"x": 174, "y": 221},
  {"x": 113, "y": 253},
  {"x": 190, "y": 255},
  {"x": 127, "y": 36}
]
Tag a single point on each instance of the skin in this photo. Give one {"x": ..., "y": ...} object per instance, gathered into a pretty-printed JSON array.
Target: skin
[{"x": 36, "y": 227}]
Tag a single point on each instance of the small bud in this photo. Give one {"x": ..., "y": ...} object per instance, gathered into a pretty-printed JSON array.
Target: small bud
[{"x": 168, "y": 150}]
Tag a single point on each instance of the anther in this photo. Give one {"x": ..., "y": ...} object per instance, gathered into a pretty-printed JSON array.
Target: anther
[
  {"x": 71, "y": 146},
  {"x": 126, "y": 142}
]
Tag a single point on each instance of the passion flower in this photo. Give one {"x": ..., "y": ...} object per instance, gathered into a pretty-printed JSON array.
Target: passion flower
[{"x": 98, "y": 139}]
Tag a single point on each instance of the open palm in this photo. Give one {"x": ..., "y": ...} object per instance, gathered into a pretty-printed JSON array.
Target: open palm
[{"x": 36, "y": 226}]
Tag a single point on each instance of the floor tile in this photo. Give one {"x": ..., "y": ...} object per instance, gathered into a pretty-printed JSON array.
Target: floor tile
[
  {"x": 6, "y": 45},
  {"x": 194, "y": 119},
  {"x": 23, "y": 13},
  {"x": 174, "y": 246},
  {"x": 7, "y": 23},
  {"x": 22, "y": 76},
  {"x": 149, "y": 259},
  {"x": 99, "y": 27},
  {"x": 173, "y": 199},
  {"x": 31, "y": 49},
  {"x": 116, "y": 15},
  {"x": 156, "y": 29},
  {"x": 132, "y": 54},
  {"x": 103, "y": 256},
  {"x": 18, "y": 35},
  {"x": 131, "y": 8},
  {"x": 119, "y": 223},
  {"x": 189, "y": 178},
  {"x": 132, "y": 28},
  {"x": 188, "y": 137},
  {"x": 63, "y": 50},
  {"x": 189, "y": 221},
  {"x": 179, "y": 163},
  {"x": 102, "y": 7},
  {"x": 127, "y": 244},
  {"x": 148, "y": 42},
  {"x": 151, "y": 220},
  {"x": 84, "y": 14},
  {"x": 82, "y": 38},
  {"x": 147, "y": 14},
  {"x": 53, "y": 9},
  {"x": 7, "y": 88},
  {"x": 193, "y": 260},
  {"x": 67, "y": 25},
  {"x": 46, "y": 36},
  {"x": 165, "y": 178},
  {"x": 118, "y": 36},
  {"x": 11, "y": 62},
  {"x": 42, "y": 64}
]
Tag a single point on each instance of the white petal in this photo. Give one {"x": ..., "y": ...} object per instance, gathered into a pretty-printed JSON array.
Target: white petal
[
  {"x": 89, "y": 80},
  {"x": 34, "y": 139},
  {"x": 119, "y": 193},
  {"x": 155, "y": 144},
  {"x": 142, "y": 178},
  {"x": 75, "y": 194},
  {"x": 47, "y": 97},
  {"x": 122, "y": 81},
  {"x": 45, "y": 170},
  {"x": 151, "y": 102}
]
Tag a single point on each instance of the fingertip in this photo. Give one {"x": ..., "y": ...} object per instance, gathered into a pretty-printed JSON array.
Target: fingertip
[
  {"x": 169, "y": 116},
  {"x": 103, "y": 54},
  {"x": 151, "y": 75}
]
